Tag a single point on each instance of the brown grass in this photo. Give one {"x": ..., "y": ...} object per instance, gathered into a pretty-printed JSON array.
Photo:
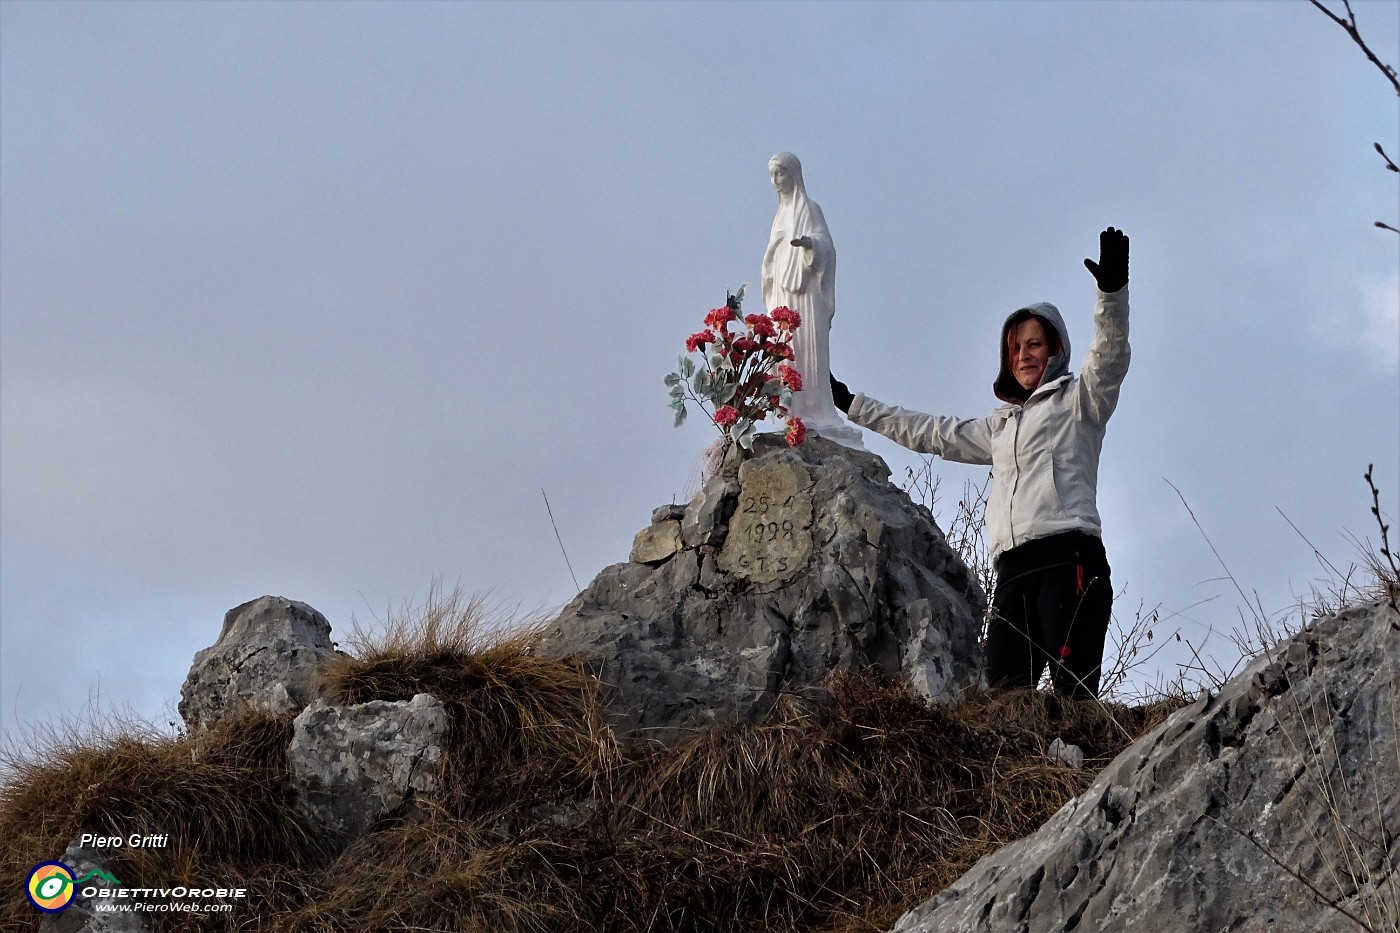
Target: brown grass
[
  {"x": 521, "y": 726},
  {"x": 821, "y": 819},
  {"x": 222, "y": 797}
]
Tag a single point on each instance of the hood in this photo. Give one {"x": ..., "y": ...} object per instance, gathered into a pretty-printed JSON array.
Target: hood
[{"x": 1006, "y": 387}]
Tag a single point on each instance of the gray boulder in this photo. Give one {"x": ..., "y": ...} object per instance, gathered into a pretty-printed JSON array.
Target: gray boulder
[
  {"x": 266, "y": 658},
  {"x": 355, "y": 765},
  {"x": 1272, "y": 805},
  {"x": 82, "y": 915},
  {"x": 787, "y": 565}
]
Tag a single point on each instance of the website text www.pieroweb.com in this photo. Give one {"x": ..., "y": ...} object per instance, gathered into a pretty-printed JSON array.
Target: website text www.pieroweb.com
[{"x": 53, "y": 887}]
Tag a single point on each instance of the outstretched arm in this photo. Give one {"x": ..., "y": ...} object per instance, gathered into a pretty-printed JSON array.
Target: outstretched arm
[{"x": 963, "y": 441}]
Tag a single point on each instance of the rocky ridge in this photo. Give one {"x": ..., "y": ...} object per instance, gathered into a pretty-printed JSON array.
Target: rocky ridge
[{"x": 1273, "y": 804}]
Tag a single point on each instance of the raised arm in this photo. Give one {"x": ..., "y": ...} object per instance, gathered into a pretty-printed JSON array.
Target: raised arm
[{"x": 1101, "y": 375}]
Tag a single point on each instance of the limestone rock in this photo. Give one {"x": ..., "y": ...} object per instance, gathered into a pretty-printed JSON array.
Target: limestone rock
[
  {"x": 266, "y": 658},
  {"x": 79, "y": 916},
  {"x": 1272, "y": 805},
  {"x": 706, "y": 519},
  {"x": 1071, "y": 756},
  {"x": 667, "y": 513},
  {"x": 799, "y": 562},
  {"x": 657, "y": 542},
  {"x": 354, "y": 765}
]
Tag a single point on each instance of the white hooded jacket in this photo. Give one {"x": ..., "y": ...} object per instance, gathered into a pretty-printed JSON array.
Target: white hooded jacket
[{"x": 1044, "y": 453}]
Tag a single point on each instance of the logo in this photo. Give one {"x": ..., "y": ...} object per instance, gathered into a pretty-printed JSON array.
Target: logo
[{"x": 51, "y": 885}]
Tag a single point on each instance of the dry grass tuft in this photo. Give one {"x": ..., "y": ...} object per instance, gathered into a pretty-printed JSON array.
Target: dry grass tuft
[
  {"x": 523, "y": 729},
  {"x": 222, "y": 797}
]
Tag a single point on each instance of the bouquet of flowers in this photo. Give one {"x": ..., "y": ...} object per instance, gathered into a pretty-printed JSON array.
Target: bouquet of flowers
[{"x": 744, "y": 375}]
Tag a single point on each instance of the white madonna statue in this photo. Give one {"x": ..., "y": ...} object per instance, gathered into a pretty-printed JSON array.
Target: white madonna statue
[{"x": 799, "y": 271}]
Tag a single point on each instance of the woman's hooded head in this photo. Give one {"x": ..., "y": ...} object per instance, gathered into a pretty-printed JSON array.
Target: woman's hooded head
[{"x": 1006, "y": 386}]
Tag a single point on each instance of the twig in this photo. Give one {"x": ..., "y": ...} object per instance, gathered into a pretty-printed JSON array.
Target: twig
[
  {"x": 560, "y": 540},
  {"x": 1388, "y": 164},
  {"x": 1349, "y": 24},
  {"x": 1393, "y": 583}
]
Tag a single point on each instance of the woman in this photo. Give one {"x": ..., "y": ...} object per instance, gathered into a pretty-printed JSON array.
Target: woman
[
  {"x": 1053, "y": 594},
  {"x": 799, "y": 272}
]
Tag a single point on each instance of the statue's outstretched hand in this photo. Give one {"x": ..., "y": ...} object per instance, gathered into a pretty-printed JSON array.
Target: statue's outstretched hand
[
  {"x": 1111, "y": 271},
  {"x": 841, "y": 396},
  {"x": 803, "y": 241}
]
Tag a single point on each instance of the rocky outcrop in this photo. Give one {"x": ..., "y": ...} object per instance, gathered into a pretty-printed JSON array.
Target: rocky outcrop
[
  {"x": 1271, "y": 805},
  {"x": 785, "y": 566},
  {"x": 355, "y": 765},
  {"x": 266, "y": 658}
]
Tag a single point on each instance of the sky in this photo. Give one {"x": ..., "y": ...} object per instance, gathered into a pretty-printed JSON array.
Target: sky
[{"x": 321, "y": 300}]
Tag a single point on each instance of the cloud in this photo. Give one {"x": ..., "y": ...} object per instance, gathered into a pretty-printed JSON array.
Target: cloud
[{"x": 1379, "y": 333}]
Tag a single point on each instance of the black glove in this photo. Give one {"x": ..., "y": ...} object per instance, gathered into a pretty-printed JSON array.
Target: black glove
[
  {"x": 1111, "y": 270},
  {"x": 841, "y": 396}
]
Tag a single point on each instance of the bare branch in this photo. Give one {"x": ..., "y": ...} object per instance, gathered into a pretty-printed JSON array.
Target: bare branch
[
  {"x": 1349, "y": 24},
  {"x": 1393, "y": 583},
  {"x": 1388, "y": 164}
]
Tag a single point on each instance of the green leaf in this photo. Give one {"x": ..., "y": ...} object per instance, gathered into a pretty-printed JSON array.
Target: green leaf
[
  {"x": 680, "y": 417},
  {"x": 677, "y": 391},
  {"x": 742, "y": 432},
  {"x": 721, "y": 362},
  {"x": 702, "y": 381},
  {"x": 677, "y": 403},
  {"x": 672, "y": 378},
  {"x": 687, "y": 366}
]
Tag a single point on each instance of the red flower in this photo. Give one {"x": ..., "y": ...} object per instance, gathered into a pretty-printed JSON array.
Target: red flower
[
  {"x": 786, "y": 318},
  {"x": 696, "y": 341},
  {"x": 791, "y": 377},
  {"x": 760, "y": 324},
  {"x": 796, "y": 432},
  {"x": 725, "y": 415},
  {"x": 746, "y": 345},
  {"x": 718, "y": 317},
  {"x": 779, "y": 350},
  {"x": 1064, "y": 652}
]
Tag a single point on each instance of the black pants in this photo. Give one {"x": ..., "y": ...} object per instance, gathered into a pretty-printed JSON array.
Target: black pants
[{"x": 1052, "y": 605}]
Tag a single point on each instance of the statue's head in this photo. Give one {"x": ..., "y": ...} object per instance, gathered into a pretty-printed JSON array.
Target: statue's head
[{"x": 786, "y": 173}]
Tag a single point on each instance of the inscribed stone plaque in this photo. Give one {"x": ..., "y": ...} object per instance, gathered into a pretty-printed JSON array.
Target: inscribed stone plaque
[{"x": 770, "y": 535}]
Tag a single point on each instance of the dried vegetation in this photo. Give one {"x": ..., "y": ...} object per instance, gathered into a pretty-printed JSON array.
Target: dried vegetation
[{"x": 824, "y": 818}]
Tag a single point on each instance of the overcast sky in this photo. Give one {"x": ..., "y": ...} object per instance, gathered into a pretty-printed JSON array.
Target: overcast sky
[{"x": 314, "y": 299}]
